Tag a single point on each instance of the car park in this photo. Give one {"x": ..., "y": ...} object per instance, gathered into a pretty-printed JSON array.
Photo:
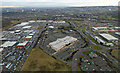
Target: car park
[{"x": 18, "y": 52}]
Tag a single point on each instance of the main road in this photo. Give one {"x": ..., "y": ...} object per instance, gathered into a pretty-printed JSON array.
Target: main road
[
  {"x": 80, "y": 52},
  {"x": 29, "y": 49}
]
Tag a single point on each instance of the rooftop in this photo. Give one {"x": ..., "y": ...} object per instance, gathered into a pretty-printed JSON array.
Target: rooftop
[
  {"x": 108, "y": 36},
  {"x": 28, "y": 31},
  {"x": 8, "y": 43},
  {"x": 97, "y": 28},
  {"x": 99, "y": 39},
  {"x": 23, "y": 24},
  {"x": 1, "y": 49},
  {"x": 23, "y": 43},
  {"x": 26, "y": 27},
  {"x": 118, "y": 33},
  {"x": 60, "y": 43},
  {"x": 28, "y": 36}
]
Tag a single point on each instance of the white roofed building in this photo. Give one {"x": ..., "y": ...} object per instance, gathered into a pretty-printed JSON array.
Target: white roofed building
[
  {"x": 31, "y": 34},
  {"x": 62, "y": 42},
  {"x": 32, "y": 21},
  {"x": 59, "y": 22},
  {"x": 109, "y": 37},
  {"x": 1, "y": 49},
  {"x": 100, "y": 29},
  {"x": 28, "y": 31},
  {"x": 8, "y": 44},
  {"x": 23, "y": 44},
  {"x": 28, "y": 37},
  {"x": 17, "y": 31},
  {"x": 22, "y": 24},
  {"x": 26, "y": 27},
  {"x": 51, "y": 26},
  {"x": 100, "y": 40},
  {"x": 117, "y": 28},
  {"x": 117, "y": 33},
  {"x": 12, "y": 31}
]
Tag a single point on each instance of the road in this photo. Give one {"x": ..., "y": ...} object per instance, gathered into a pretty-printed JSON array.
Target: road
[
  {"x": 74, "y": 63},
  {"x": 77, "y": 55},
  {"x": 29, "y": 50}
]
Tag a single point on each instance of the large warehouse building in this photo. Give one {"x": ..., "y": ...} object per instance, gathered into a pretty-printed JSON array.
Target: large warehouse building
[
  {"x": 60, "y": 43},
  {"x": 8, "y": 44},
  {"x": 109, "y": 37}
]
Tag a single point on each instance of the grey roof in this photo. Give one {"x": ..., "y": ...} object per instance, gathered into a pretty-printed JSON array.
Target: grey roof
[{"x": 60, "y": 43}]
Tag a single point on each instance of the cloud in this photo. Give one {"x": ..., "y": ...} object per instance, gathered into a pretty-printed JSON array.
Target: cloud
[
  {"x": 27, "y": 0},
  {"x": 60, "y": 2},
  {"x": 9, "y": 6}
]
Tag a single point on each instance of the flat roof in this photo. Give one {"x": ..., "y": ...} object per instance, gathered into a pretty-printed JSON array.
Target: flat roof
[
  {"x": 31, "y": 34},
  {"x": 118, "y": 33},
  {"x": 51, "y": 26},
  {"x": 12, "y": 31},
  {"x": 28, "y": 37},
  {"x": 8, "y": 43},
  {"x": 60, "y": 43},
  {"x": 58, "y": 21},
  {"x": 96, "y": 28},
  {"x": 26, "y": 27},
  {"x": 32, "y": 21},
  {"x": 117, "y": 27},
  {"x": 41, "y": 21},
  {"x": 23, "y": 43},
  {"x": 108, "y": 36},
  {"x": 17, "y": 30},
  {"x": 28, "y": 31},
  {"x": 99, "y": 39},
  {"x": 22, "y": 24}
]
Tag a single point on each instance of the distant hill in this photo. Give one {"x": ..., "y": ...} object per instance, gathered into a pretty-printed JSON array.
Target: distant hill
[{"x": 96, "y": 7}]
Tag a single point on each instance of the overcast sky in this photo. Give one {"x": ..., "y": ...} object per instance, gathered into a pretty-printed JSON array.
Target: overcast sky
[{"x": 54, "y": 3}]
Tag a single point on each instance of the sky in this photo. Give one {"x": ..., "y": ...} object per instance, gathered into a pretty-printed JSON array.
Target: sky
[{"x": 58, "y": 3}]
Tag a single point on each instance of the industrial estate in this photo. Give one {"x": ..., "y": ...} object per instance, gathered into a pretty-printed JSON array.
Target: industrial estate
[{"x": 80, "y": 40}]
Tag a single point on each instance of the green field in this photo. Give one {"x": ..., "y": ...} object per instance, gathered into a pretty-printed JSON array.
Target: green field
[
  {"x": 97, "y": 48},
  {"x": 92, "y": 39},
  {"x": 40, "y": 61},
  {"x": 116, "y": 53},
  {"x": 13, "y": 23},
  {"x": 83, "y": 32}
]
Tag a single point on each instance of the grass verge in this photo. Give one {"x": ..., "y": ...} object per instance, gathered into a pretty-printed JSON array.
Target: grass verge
[
  {"x": 97, "y": 48},
  {"x": 115, "y": 53},
  {"x": 78, "y": 66},
  {"x": 92, "y": 39}
]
